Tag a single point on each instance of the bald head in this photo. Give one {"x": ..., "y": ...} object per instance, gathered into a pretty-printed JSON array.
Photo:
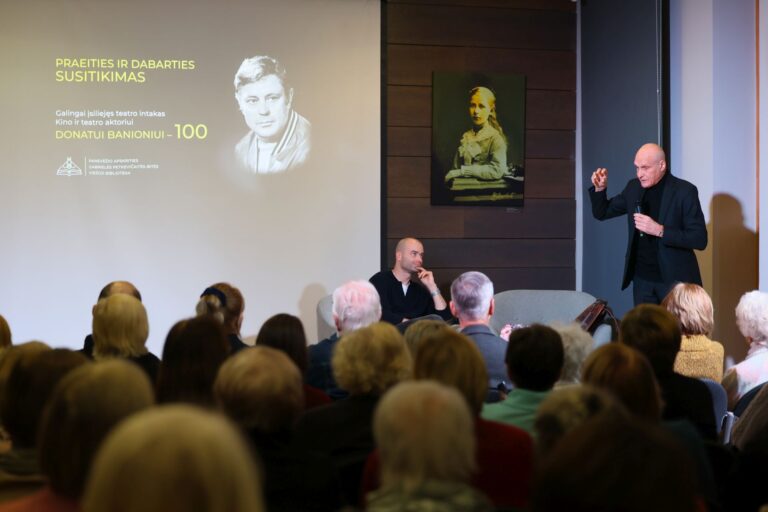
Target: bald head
[
  {"x": 121, "y": 287},
  {"x": 409, "y": 255},
  {"x": 650, "y": 164}
]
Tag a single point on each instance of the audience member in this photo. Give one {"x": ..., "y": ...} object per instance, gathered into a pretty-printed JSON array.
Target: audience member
[
  {"x": 5, "y": 335},
  {"x": 409, "y": 291},
  {"x": 8, "y": 359},
  {"x": 752, "y": 319},
  {"x": 30, "y": 384},
  {"x": 611, "y": 463},
  {"x": 472, "y": 303},
  {"x": 85, "y": 405},
  {"x": 565, "y": 409},
  {"x": 699, "y": 356},
  {"x": 655, "y": 332},
  {"x": 261, "y": 390},
  {"x": 174, "y": 457},
  {"x": 452, "y": 359},
  {"x": 113, "y": 288},
  {"x": 286, "y": 333},
  {"x": 534, "y": 363},
  {"x": 421, "y": 330},
  {"x": 577, "y": 344},
  {"x": 752, "y": 422},
  {"x": 427, "y": 446},
  {"x": 366, "y": 363},
  {"x": 120, "y": 329},
  {"x": 355, "y": 305},
  {"x": 193, "y": 351},
  {"x": 226, "y": 304},
  {"x": 627, "y": 374}
]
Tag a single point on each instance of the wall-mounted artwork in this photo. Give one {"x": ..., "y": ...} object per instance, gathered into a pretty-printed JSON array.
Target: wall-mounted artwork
[{"x": 478, "y": 139}]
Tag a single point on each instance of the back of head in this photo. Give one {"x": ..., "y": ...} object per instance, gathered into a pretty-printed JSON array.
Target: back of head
[
  {"x": 610, "y": 463},
  {"x": 124, "y": 287},
  {"x": 174, "y": 457},
  {"x": 356, "y": 304},
  {"x": 453, "y": 359},
  {"x": 692, "y": 306},
  {"x": 86, "y": 405},
  {"x": 286, "y": 333},
  {"x": 565, "y": 409},
  {"x": 260, "y": 388},
  {"x": 471, "y": 295},
  {"x": 534, "y": 357},
  {"x": 30, "y": 385},
  {"x": 752, "y": 316},
  {"x": 120, "y": 327},
  {"x": 193, "y": 351},
  {"x": 5, "y": 334},
  {"x": 225, "y": 303},
  {"x": 577, "y": 344},
  {"x": 421, "y": 330},
  {"x": 424, "y": 431},
  {"x": 628, "y": 375},
  {"x": 653, "y": 331},
  {"x": 371, "y": 360}
]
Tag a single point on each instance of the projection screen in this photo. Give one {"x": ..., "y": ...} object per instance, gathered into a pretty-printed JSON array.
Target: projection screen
[{"x": 132, "y": 152}]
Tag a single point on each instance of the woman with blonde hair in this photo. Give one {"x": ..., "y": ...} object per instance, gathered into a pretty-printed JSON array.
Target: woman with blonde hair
[
  {"x": 120, "y": 329},
  {"x": 482, "y": 150},
  {"x": 174, "y": 457},
  {"x": 225, "y": 303},
  {"x": 699, "y": 356}
]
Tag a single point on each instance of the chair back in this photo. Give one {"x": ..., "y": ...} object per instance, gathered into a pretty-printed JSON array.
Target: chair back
[{"x": 719, "y": 402}]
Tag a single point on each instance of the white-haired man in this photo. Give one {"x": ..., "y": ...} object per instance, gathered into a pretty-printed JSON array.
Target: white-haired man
[
  {"x": 472, "y": 303},
  {"x": 355, "y": 304}
]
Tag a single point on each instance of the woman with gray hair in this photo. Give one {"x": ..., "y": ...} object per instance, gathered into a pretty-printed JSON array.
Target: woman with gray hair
[
  {"x": 752, "y": 319},
  {"x": 425, "y": 434}
]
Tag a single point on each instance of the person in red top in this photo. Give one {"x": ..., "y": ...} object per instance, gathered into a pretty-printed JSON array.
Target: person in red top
[{"x": 504, "y": 452}]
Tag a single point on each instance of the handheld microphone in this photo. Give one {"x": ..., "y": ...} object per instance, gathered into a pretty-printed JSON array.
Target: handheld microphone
[{"x": 639, "y": 209}]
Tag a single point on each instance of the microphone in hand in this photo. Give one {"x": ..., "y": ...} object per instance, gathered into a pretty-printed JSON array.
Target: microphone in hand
[{"x": 639, "y": 209}]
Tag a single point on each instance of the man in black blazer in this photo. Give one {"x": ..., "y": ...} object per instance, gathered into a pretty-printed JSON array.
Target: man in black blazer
[{"x": 664, "y": 221}]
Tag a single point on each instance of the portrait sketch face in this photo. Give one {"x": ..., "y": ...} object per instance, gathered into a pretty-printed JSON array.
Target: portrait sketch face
[
  {"x": 265, "y": 105},
  {"x": 279, "y": 137}
]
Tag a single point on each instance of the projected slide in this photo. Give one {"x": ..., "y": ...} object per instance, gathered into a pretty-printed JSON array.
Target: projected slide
[{"x": 181, "y": 143}]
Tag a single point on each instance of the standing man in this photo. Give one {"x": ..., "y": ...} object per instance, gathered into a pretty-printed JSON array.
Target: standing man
[
  {"x": 664, "y": 221},
  {"x": 409, "y": 291}
]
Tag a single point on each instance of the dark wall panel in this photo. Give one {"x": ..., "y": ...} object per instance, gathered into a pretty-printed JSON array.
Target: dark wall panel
[
  {"x": 529, "y": 247},
  {"x": 620, "y": 106}
]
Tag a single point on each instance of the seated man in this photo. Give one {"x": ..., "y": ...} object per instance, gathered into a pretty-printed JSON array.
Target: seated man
[
  {"x": 472, "y": 303},
  {"x": 355, "y": 305},
  {"x": 110, "y": 289},
  {"x": 655, "y": 332},
  {"x": 534, "y": 363},
  {"x": 409, "y": 291}
]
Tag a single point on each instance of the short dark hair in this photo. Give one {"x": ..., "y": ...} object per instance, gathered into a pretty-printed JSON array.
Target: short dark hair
[
  {"x": 119, "y": 287},
  {"x": 654, "y": 332},
  {"x": 534, "y": 357}
]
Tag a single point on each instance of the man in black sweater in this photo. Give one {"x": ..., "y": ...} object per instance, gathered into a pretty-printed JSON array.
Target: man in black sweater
[{"x": 408, "y": 291}]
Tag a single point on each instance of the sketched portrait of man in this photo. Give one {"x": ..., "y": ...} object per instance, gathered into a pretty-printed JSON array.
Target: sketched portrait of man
[{"x": 279, "y": 138}]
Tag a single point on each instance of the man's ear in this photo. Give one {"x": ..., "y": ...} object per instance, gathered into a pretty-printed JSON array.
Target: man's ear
[
  {"x": 492, "y": 307},
  {"x": 453, "y": 309},
  {"x": 336, "y": 322},
  {"x": 290, "y": 97}
]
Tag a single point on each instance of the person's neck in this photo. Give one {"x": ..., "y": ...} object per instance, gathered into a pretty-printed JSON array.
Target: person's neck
[
  {"x": 467, "y": 323},
  {"x": 401, "y": 275}
]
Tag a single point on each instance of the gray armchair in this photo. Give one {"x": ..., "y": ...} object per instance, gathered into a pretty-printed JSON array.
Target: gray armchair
[{"x": 526, "y": 307}]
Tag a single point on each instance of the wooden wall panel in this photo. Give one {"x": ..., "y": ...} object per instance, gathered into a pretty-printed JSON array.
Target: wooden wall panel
[
  {"x": 465, "y": 25},
  {"x": 528, "y": 247}
]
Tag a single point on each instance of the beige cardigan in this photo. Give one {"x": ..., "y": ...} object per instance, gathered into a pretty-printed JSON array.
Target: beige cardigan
[{"x": 700, "y": 357}]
